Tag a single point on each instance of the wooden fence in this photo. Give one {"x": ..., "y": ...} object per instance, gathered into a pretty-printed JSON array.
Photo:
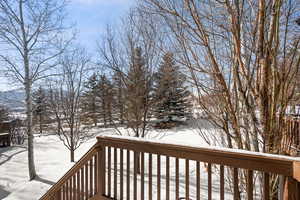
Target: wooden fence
[{"x": 291, "y": 140}]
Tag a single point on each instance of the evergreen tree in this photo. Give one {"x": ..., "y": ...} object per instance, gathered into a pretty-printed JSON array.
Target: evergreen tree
[
  {"x": 4, "y": 113},
  {"x": 171, "y": 93},
  {"x": 105, "y": 95},
  {"x": 90, "y": 103},
  {"x": 119, "y": 100},
  {"x": 40, "y": 106},
  {"x": 138, "y": 86}
]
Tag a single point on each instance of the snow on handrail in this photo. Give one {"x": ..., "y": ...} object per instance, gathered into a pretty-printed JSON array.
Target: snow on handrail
[{"x": 279, "y": 164}]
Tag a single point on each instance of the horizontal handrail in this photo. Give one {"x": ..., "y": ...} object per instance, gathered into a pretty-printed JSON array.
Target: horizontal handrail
[
  {"x": 57, "y": 186},
  {"x": 103, "y": 165},
  {"x": 284, "y": 165}
]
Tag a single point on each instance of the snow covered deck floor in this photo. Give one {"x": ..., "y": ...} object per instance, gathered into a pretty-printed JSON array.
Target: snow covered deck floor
[{"x": 131, "y": 168}]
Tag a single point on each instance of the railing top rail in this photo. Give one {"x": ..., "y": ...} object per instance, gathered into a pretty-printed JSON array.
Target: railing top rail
[
  {"x": 284, "y": 165},
  {"x": 71, "y": 172}
]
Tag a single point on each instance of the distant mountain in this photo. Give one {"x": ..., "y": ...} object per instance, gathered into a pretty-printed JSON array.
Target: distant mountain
[{"x": 13, "y": 99}]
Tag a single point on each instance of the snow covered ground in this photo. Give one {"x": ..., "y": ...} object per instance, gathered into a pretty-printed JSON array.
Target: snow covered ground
[{"x": 52, "y": 161}]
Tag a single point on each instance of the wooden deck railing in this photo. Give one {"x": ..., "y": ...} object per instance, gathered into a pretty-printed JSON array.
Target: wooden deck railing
[
  {"x": 128, "y": 168},
  {"x": 81, "y": 181}
]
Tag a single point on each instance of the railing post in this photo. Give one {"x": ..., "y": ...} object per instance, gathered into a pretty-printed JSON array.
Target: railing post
[
  {"x": 291, "y": 189},
  {"x": 58, "y": 195},
  {"x": 101, "y": 171}
]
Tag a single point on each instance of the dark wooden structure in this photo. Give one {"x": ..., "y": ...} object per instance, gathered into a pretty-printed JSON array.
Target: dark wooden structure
[
  {"x": 11, "y": 132},
  {"x": 5, "y": 139},
  {"x": 5, "y": 134},
  {"x": 109, "y": 170},
  {"x": 291, "y": 140}
]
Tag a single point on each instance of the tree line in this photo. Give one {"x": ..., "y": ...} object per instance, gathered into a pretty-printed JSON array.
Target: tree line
[{"x": 137, "y": 100}]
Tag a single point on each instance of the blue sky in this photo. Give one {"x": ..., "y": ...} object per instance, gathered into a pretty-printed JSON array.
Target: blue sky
[{"x": 92, "y": 16}]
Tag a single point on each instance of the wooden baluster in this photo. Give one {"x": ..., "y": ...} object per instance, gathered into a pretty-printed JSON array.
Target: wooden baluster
[
  {"x": 67, "y": 191},
  {"x": 177, "y": 178},
  {"x": 86, "y": 170},
  {"x": 109, "y": 171},
  {"x": 121, "y": 174},
  {"x": 167, "y": 178},
  {"x": 82, "y": 183},
  {"x": 236, "y": 192},
  {"x": 78, "y": 184},
  {"x": 158, "y": 177},
  {"x": 135, "y": 159},
  {"x": 291, "y": 189},
  {"x": 58, "y": 195},
  {"x": 128, "y": 176},
  {"x": 187, "y": 179},
  {"x": 198, "y": 180},
  {"x": 100, "y": 170},
  {"x": 222, "y": 192},
  {"x": 266, "y": 177},
  {"x": 64, "y": 192},
  {"x": 96, "y": 174},
  {"x": 70, "y": 188},
  {"x": 102, "y": 175},
  {"x": 209, "y": 181},
  {"x": 74, "y": 188},
  {"x": 91, "y": 177},
  {"x": 115, "y": 173},
  {"x": 150, "y": 176},
  {"x": 142, "y": 175},
  {"x": 250, "y": 184}
]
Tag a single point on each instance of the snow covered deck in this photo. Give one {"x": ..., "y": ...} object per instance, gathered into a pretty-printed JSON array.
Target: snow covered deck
[{"x": 132, "y": 168}]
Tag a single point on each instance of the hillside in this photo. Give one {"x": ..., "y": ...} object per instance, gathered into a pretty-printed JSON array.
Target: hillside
[{"x": 13, "y": 99}]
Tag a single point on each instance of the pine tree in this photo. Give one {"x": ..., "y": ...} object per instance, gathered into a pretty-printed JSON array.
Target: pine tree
[
  {"x": 119, "y": 100},
  {"x": 90, "y": 103},
  {"x": 40, "y": 106},
  {"x": 171, "y": 93},
  {"x": 4, "y": 114},
  {"x": 106, "y": 96},
  {"x": 138, "y": 86}
]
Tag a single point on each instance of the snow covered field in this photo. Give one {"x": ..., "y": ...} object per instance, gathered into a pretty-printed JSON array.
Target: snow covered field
[{"x": 52, "y": 161}]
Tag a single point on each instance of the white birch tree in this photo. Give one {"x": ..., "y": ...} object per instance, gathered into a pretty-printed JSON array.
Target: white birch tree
[{"x": 31, "y": 34}]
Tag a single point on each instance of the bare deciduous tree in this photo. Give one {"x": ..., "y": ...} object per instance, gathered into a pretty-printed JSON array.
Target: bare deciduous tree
[
  {"x": 118, "y": 54},
  {"x": 31, "y": 34},
  {"x": 243, "y": 57},
  {"x": 65, "y": 99},
  {"x": 227, "y": 58}
]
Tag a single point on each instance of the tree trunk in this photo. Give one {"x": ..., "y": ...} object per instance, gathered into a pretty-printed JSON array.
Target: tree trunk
[
  {"x": 122, "y": 115},
  {"x": 31, "y": 165},
  {"x": 58, "y": 126},
  {"x": 72, "y": 139},
  {"x": 94, "y": 112},
  {"x": 27, "y": 84},
  {"x": 41, "y": 128},
  {"x": 72, "y": 155},
  {"x": 104, "y": 117}
]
